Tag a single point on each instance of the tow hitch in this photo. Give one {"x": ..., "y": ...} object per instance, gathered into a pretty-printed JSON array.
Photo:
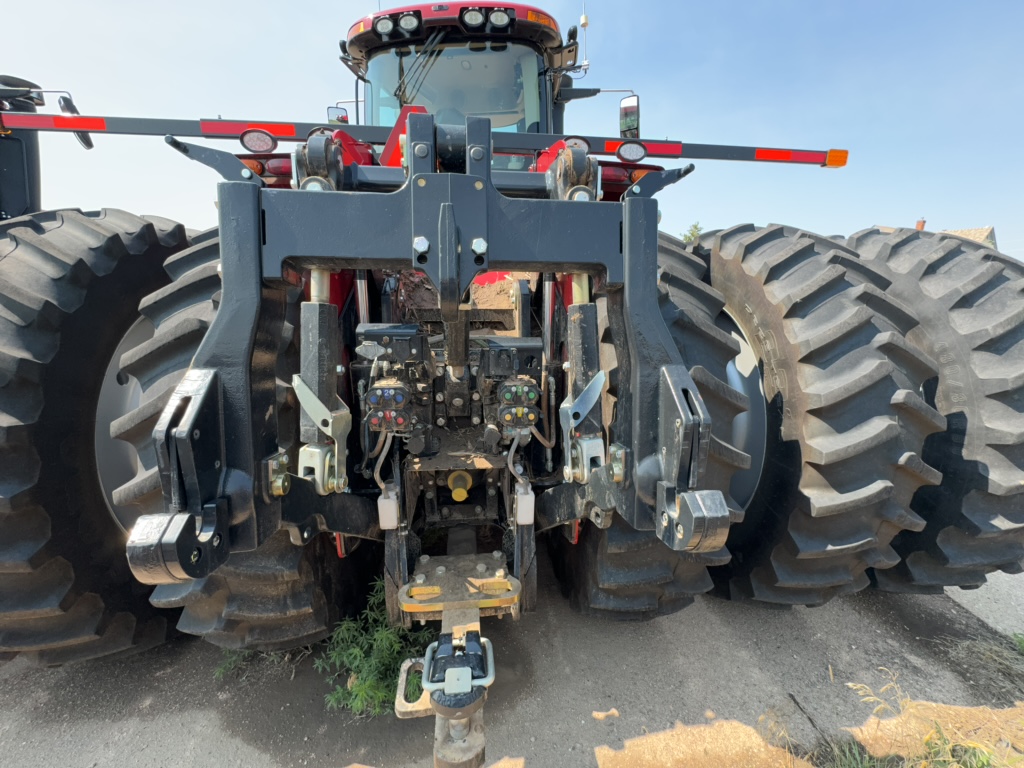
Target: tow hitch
[{"x": 458, "y": 667}]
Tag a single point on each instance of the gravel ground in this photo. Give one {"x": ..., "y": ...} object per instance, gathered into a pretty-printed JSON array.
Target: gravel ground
[{"x": 716, "y": 661}]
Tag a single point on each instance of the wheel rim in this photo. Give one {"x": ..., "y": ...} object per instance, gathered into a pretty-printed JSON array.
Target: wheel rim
[
  {"x": 116, "y": 460},
  {"x": 750, "y": 428}
]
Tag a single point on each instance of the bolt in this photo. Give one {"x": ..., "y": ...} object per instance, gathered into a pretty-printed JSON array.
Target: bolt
[
  {"x": 307, "y": 534},
  {"x": 679, "y": 423},
  {"x": 679, "y": 531},
  {"x": 440, "y": 570},
  {"x": 479, "y": 185},
  {"x": 491, "y": 492},
  {"x": 421, "y": 150},
  {"x": 446, "y": 512},
  {"x": 430, "y": 494},
  {"x": 216, "y": 464},
  {"x": 567, "y": 474},
  {"x": 420, "y": 245},
  {"x": 424, "y": 558},
  {"x": 246, "y": 173},
  {"x": 195, "y": 434},
  {"x": 420, "y": 578},
  {"x": 636, "y": 189},
  {"x": 477, "y": 153},
  {"x": 216, "y": 540},
  {"x": 664, "y": 518},
  {"x": 439, "y": 397},
  {"x": 497, "y": 554},
  {"x": 280, "y": 485},
  {"x": 439, "y": 370},
  {"x": 196, "y": 554},
  {"x": 475, "y": 396},
  {"x": 476, "y": 420},
  {"x": 478, "y": 509},
  {"x": 441, "y": 422},
  {"x": 481, "y": 567},
  {"x": 479, "y": 246},
  {"x": 458, "y": 402},
  {"x": 339, "y": 369},
  {"x": 566, "y": 366},
  {"x": 500, "y": 573}
]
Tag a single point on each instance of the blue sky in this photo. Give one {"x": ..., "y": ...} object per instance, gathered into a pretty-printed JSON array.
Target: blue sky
[{"x": 927, "y": 96}]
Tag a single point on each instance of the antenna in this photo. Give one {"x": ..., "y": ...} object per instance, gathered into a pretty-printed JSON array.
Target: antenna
[{"x": 584, "y": 23}]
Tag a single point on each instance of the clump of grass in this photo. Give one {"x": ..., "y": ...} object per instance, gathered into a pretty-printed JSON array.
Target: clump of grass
[
  {"x": 238, "y": 664},
  {"x": 996, "y": 662},
  {"x": 849, "y": 754},
  {"x": 232, "y": 663},
  {"x": 363, "y": 656},
  {"x": 944, "y": 752},
  {"x": 1018, "y": 640}
]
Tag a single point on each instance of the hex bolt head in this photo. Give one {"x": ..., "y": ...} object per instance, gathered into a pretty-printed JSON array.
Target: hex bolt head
[
  {"x": 492, "y": 492},
  {"x": 679, "y": 531},
  {"x": 500, "y": 573},
  {"x": 216, "y": 540},
  {"x": 420, "y": 578},
  {"x": 476, "y": 420},
  {"x": 440, "y": 570},
  {"x": 424, "y": 558},
  {"x": 481, "y": 567},
  {"x": 420, "y": 245},
  {"x": 421, "y": 150},
  {"x": 478, "y": 509},
  {"x": 664, "y": 518},
  {"x": 475, "y": 396},
  {"x": 479, "y": 246},
  {"x": 441, "y": 422},
  {"x": 497, "y": 554},
  {"x": 567, "y": 474}
]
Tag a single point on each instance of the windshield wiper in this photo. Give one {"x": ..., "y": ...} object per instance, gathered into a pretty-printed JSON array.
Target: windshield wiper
[{"x": 419, "y": 69}]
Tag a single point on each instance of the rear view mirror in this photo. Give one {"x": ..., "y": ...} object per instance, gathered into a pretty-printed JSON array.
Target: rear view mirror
[
  {"x": 67, "y": 106},
  {"x": 629, "y": 117},
  {"x": 337, "y": 115}
]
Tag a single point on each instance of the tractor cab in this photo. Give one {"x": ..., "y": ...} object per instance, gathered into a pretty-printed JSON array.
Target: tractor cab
[{"x": 461, "y": 60}]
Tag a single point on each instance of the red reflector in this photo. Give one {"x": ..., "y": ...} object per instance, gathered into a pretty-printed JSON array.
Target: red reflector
[
  {"x": 60, "y": 122},
  {"x": 279, "y": 166},
  {"x": 789, "y": 156},
  {"x": 228, "y": 128},
  {"x": 614, "y": 175}
]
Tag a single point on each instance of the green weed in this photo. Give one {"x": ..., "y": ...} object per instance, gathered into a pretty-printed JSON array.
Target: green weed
[{"x": 363, "y": 656}]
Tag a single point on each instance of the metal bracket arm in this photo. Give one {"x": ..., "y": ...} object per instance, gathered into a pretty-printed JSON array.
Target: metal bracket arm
[{"x": 328, "y": 463}]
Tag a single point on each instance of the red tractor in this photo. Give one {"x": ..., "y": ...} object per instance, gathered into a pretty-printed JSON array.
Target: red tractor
[{"x": 423, "y": 342}]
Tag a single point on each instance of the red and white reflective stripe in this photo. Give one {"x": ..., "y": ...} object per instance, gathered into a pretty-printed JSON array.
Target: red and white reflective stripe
[
  {"x": 654, "y": 148},
  {"x": 790, "y": 156},
  {"x": 231, "y": 128},
  {"x": 54, "y": 122}
]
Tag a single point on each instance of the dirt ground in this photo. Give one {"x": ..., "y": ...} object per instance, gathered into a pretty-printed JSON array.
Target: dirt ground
[{"x": 703, "y": 687}]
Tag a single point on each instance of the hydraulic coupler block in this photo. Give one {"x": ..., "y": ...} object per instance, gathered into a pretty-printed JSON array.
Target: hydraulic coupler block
[
  {"x": 387, "y": 406},
  {"x": 519, "y": 402}
]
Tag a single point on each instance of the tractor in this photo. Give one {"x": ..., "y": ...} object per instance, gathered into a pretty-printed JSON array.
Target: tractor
[{"x": 435, "y": 342}]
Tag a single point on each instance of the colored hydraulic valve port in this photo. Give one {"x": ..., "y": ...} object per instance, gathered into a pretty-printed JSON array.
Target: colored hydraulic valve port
[{"x": 518, "y": 403}]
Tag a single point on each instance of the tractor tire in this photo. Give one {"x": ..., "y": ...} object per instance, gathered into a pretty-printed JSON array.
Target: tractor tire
[
  {"x": 969, "y": 301},
  {"x": 70, "y": 285},
  {"x": 278, "y": 596},
  {"x": 626, "y": 574},
  {"x": 846, "y": 418}
]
